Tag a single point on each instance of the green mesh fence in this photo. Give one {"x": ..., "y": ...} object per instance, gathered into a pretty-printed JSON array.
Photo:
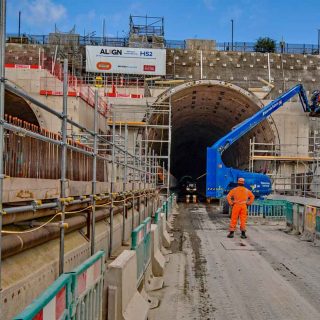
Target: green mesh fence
[
  {"x": 318, "y": 224},
  {"x": 271, "y": 209},
  {"x": 137, "y": 236},
  {"x": 147, "y": 242}
]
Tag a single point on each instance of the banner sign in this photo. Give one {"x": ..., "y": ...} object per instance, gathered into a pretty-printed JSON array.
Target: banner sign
[{"x": 125, "y": 60}]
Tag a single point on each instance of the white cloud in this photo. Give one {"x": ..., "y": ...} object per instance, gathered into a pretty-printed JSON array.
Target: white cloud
[
  {"x": 209, "y": 4},
  {"x": 42, "y": 12}
]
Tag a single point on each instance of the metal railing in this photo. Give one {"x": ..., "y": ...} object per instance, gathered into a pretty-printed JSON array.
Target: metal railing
[
  {"x": 54, "y": 302},
  {"x": 274, "y": 209},
  {"x": 52, "y": 84},
  {"x": 74, "y": 295},
  {"x": 30, "y": 157},
  {"x": 306, "y": 184},
  {"x": 87, "y": 159},
  {"x": 141, "y": 236},
  {"x": 87, "y": 288},
  {"x": 293, "y": 168},
  {"x": 174, "y": 44},
  {"x": 141, "y": 243}
]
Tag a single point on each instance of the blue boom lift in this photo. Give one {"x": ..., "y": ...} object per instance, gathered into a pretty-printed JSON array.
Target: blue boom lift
[{"x": 221, "y": 179}]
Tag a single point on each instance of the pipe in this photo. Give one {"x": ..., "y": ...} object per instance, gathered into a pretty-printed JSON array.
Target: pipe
[
  {"x": 34, "y": 212},
  {"x": 31, "y": 207},
  {"x": 15, "y": 243},
  {"x": 30, "y": 212}
]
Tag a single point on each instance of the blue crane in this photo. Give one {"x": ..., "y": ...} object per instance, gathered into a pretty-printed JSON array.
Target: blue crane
[{"x": 221, "y": 179}]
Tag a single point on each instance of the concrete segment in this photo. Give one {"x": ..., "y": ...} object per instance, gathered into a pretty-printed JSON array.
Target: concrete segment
[
  {"x": 125, "y": 302},
  {"x": 165, "y": 237},
  {"x": 157, "y": 258}
]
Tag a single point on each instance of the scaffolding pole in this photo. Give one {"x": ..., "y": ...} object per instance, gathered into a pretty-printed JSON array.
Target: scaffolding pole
[
  {"x": 63, "y": 162},
  {"x": 94, "y": 173},
  {"x": 2, "y": 94}
]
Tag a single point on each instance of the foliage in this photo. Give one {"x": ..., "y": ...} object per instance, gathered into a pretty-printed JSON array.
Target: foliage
[{"x": 265, "y": 44}]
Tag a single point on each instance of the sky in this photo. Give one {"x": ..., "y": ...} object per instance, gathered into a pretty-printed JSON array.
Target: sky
[{"x": 294, "y": 21}]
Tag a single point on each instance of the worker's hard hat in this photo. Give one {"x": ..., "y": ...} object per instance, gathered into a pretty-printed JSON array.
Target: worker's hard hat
[{"x": 241, "y": 181}]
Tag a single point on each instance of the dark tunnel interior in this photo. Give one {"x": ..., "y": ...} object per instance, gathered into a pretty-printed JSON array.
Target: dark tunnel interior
[
  {"x": 203, "y": 112},
  {"x": 16, "y": 106}
]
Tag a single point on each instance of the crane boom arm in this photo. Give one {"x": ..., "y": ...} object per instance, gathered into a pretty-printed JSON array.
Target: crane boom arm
[
  {"x": 220, "y": 179},
  {"x": 248, "y": 124}
]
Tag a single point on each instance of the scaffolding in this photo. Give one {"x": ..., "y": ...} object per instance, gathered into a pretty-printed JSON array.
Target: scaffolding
[
  {"x": 150, "y": 131},
  {"x": 145, "y": 31},
  {"x": 293, "y": 168},
  {"x": 127, "y": 174}
]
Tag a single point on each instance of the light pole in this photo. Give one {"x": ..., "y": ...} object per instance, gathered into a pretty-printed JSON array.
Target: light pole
[
  {"x": 318, "y": 41},
  {"x": 19, "y": 24},
  {"x": 231, "y": 34}
]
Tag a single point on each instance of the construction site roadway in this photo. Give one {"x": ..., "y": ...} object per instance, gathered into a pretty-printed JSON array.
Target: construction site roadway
[{"x": 270, "y": 275}]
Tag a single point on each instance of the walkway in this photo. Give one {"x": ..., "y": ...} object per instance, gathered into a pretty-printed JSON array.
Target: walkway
[{"x": 271, "y": 275}]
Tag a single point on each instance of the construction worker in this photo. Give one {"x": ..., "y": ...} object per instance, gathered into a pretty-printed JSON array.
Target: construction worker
[{"x": 239, "y": 198}]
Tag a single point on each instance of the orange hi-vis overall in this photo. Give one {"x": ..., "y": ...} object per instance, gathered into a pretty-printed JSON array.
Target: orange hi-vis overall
[{"x": 239, "y": 198}]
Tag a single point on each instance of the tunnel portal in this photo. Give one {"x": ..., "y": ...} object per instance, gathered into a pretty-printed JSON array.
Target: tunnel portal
[
  {"x": 202, "y": 112},
  {"x": 16, "y": 106}
]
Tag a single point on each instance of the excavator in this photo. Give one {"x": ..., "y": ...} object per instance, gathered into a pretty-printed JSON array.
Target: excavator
[{"x": 220, "y": 179}]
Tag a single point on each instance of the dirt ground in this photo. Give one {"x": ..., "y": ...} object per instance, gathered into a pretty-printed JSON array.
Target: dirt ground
[{"x": 271, "y": 275}]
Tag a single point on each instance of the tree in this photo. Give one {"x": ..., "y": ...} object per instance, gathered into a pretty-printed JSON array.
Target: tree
[{"x": 265, "y": 44}]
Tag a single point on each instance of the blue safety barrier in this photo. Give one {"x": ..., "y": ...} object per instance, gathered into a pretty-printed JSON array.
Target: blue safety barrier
[
  {"x": 141, "y": 243},
  {"x": 157, "y": 216},
  {"x": 318, "y": 226},
  {"x": 270, "y": 209},
  {"x": 147, "y": 242},
  {"x": 137, "y": 244},
  {"x": 165, "y": 209}
]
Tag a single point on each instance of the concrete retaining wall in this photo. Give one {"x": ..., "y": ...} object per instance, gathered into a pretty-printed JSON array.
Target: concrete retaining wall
[{"x": 22, "y": 271}]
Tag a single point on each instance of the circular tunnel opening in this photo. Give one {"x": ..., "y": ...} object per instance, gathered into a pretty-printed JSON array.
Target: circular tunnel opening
[
  {"x": 203, "y": 112},
  {"x": 16, "y": 106}
]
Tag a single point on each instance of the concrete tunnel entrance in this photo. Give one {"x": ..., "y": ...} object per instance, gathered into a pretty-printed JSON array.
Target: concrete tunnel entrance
[
  {"x": 16, "y": 106},
  {"x": 202, "y": 112}
]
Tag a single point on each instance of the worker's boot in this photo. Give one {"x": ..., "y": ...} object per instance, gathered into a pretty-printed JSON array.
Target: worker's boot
[
  {"x": 231, "y": 234},
  {"x": 243, "y": 235}
]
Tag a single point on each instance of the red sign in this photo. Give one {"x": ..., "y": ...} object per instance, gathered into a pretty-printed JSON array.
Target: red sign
[
  {"x": 60, "y": 303},
  {"x": 148, "y": 67}
]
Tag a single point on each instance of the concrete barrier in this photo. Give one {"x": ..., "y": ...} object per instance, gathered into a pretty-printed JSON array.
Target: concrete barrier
[
  {"x": 298, "y": 219},
  {"x": 124, "y": 300},
  {"x": 301, "y": 212},
  {"x": 165, "y": 237},
  {"x": 295, "y": 219},
  {"x": 157, "y": 259},
  {"x": 305, "y": 219},
  {"x": 142, "y": 243},
  {"x": 309, "y": 223}
]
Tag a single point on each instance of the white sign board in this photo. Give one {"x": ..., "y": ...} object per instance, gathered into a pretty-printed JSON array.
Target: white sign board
[{"x": 125, "y": 60}]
